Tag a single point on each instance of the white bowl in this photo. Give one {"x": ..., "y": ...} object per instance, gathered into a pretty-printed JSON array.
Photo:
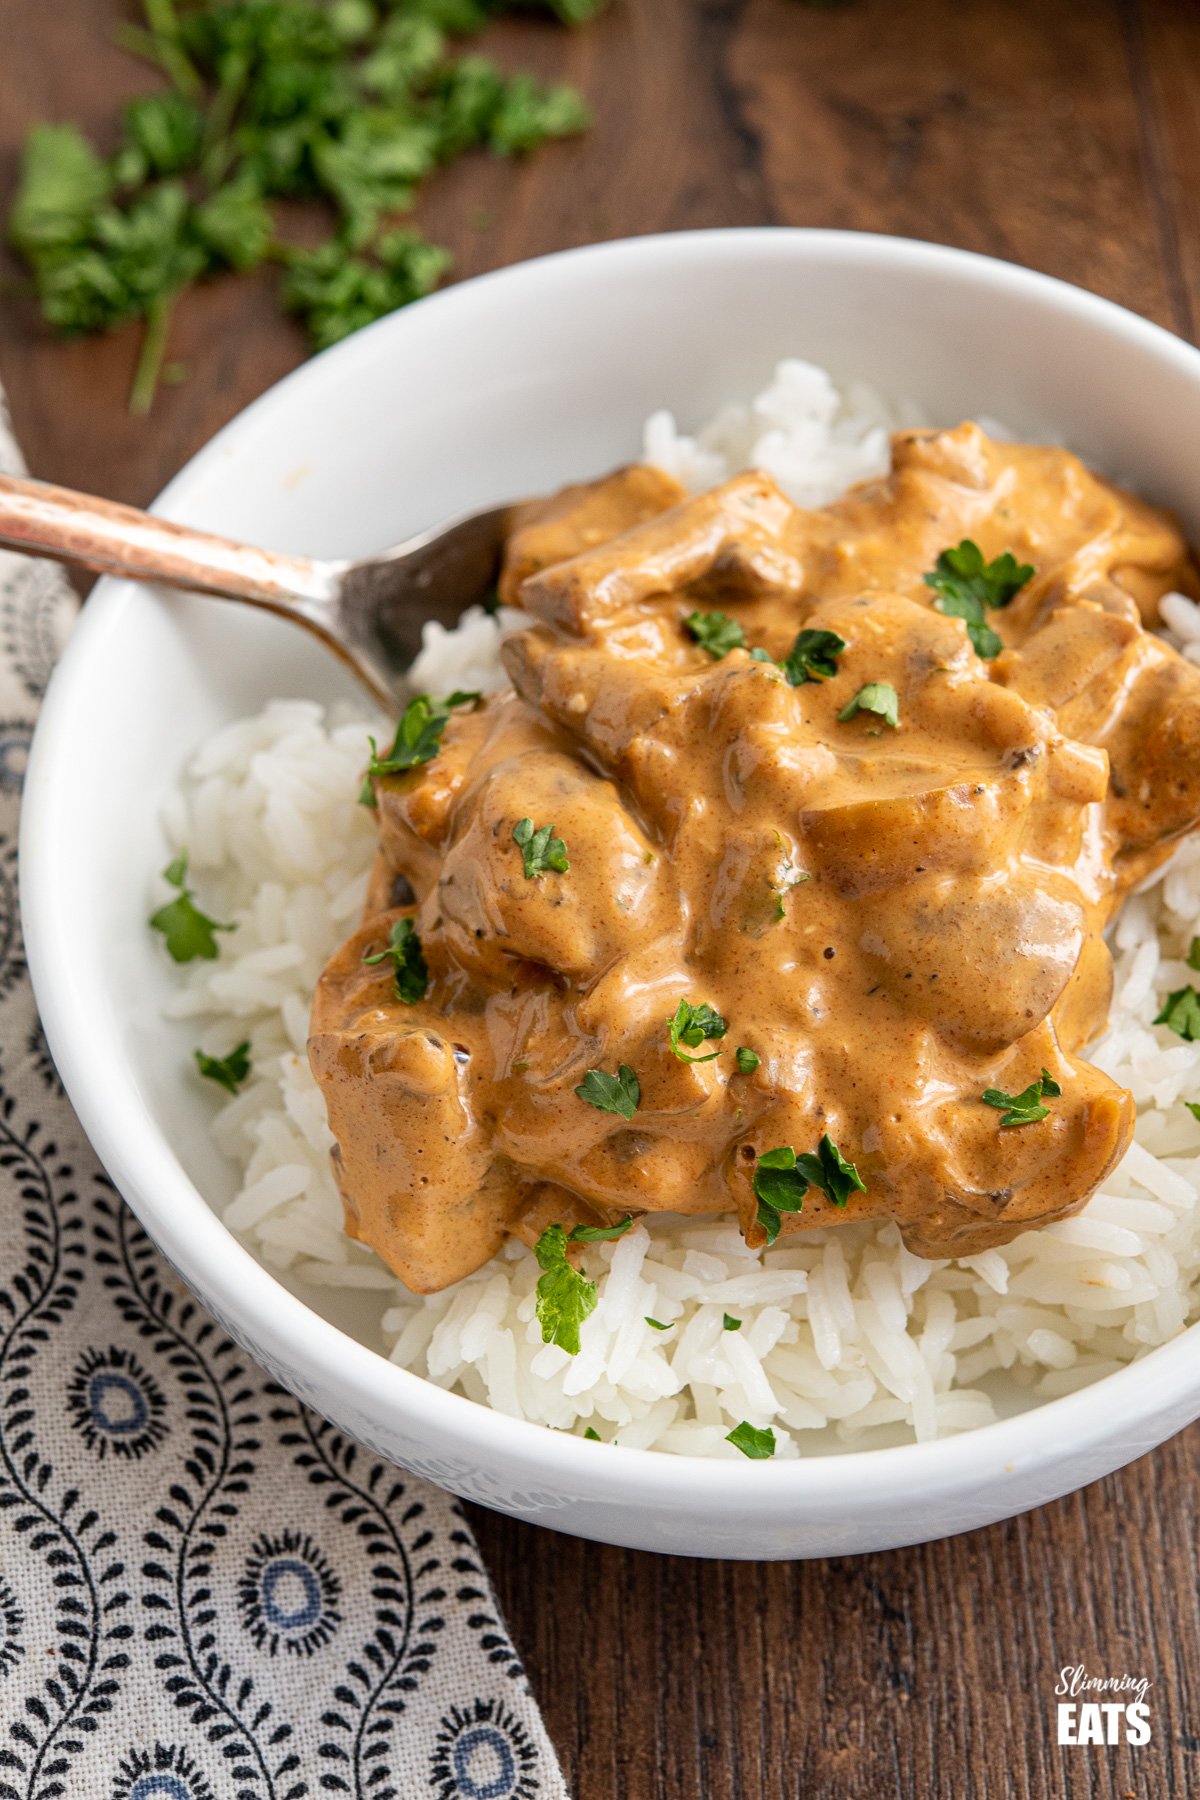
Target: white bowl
[{"x": 505, "y": 386}]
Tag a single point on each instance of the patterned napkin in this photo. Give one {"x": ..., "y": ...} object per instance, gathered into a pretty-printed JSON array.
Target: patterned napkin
[{"x": 206, "y": 1591}]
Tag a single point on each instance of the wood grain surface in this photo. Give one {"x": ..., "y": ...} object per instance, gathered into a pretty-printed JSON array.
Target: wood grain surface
[{"x": 1064, "y": 135}]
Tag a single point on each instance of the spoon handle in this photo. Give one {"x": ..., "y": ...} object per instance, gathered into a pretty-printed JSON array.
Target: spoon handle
[{"x": 42, "y": 520}]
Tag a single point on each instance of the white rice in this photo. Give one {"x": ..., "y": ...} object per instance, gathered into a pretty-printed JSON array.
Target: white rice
[{"x": 845, "y": 1339}]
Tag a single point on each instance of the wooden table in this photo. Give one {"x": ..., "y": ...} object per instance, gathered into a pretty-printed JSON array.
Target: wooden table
[{"x": 1063, "y": 135}]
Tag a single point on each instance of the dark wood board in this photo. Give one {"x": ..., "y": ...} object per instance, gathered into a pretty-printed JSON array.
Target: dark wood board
[{"x": 1065, "y": 136}]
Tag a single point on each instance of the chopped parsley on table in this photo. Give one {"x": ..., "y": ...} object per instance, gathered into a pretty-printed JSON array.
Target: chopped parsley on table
[
  {"x": 1026, "y": 1107},
  {"x": 966, "y": 586},
  {"x": 782, "y": 1179},
  {"x": 620, "y": 1093},
  {"x": 565, "y": 1297},
  {"x": 878, "y": 697},
  {"x": 340, "y": 103},
  {"x": 418, "y": 739},
  {"x": 189, "y": 933},
  {"x": 409, "y": 970},
  {"x": 756, "y": 1444},
  {"x": 229, "y": 1071},
  {"x": 540, "y": 849},
  {"x": 694, "y": 1025},
  {"x": 1181, "y": 1011}
]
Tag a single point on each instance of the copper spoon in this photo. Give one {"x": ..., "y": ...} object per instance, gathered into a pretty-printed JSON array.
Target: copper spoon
[{"x": 369, "y": 612}]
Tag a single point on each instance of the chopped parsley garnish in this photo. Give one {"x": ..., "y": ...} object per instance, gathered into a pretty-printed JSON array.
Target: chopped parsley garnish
[
  {"x": 228, "y": 1071},
  {"x": 756, "y": 1444},
  {"x": 779, "y": 1187},
  {"x": 729, "y": 1323},
  {"x": 1181, "y": 1011},
  {"x": 188, "y": 932},
  {"x": 540, "y": 849},
  {"x": 1024, "y": 1108},
  {"x": 600, "y": 1234},
  {"x": 1193, "y": 955},
  {"x": 837, "y": 1177},
  {"x": 878, "y": 697},
  {"x": 564, "y": 1297},
  {"x": 1193, "y": 1107},
  {"x": 620, "y": 1093},
  {"x": 782, "y": 1179},
  {"x": 347, "y": 105},
  {"x": 966, "y": 586},
  {"x": 411, "y": 976},
  {"x": 715, "y": 632},
  {"x": 593, "y": 1434},
  {"x": 657, "y": 1324},
  {"x": 747, "y": 1060},
  {"x": 813, "y": 657},
  {"x": 418, "y": 739},
  {"x": 692, "y": 1025}
]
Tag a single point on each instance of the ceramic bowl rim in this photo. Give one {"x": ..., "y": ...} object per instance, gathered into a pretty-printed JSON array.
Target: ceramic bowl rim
[{"x": 208, "y": 1254}]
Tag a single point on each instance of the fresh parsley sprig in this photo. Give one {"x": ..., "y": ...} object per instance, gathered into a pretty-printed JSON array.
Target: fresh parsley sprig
[
  {"x": 600, "y": 1234},
  {"x": 716, "y": 632},
  {"x": 693, "y": 1025},
  {"x": 1026, "y": 1107},
  {"x": 409, "y": 970},
  {"x": 813, "y": 657},
  {"x": 189, "y": 933},
  {"x": 757, "y": 1444},
  {"x": 782, "y": 1179},
  {"x": 540, "y": 849},
  {"x": 966, "y": 586},
  {"x": 418, "y": 739},
  {"x": 878, "y": 697},
  {"x": 1181, "y": 1011},
  {"x": 620, "y": 1093},
  {"x": 347, "y": 104},
  {"x": 229, "y": 1071},
  {"x": 564, "y": 1296}
]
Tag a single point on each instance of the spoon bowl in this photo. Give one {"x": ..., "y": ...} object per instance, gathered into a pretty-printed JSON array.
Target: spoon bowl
[{"x": 368, "y": 611}]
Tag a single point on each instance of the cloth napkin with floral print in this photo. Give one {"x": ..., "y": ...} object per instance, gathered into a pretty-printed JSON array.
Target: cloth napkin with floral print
[{"x": 206, "y": 1591}]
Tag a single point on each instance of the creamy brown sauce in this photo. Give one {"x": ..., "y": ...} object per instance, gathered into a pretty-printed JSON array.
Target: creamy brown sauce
[{"x": 960, "y": 868}]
